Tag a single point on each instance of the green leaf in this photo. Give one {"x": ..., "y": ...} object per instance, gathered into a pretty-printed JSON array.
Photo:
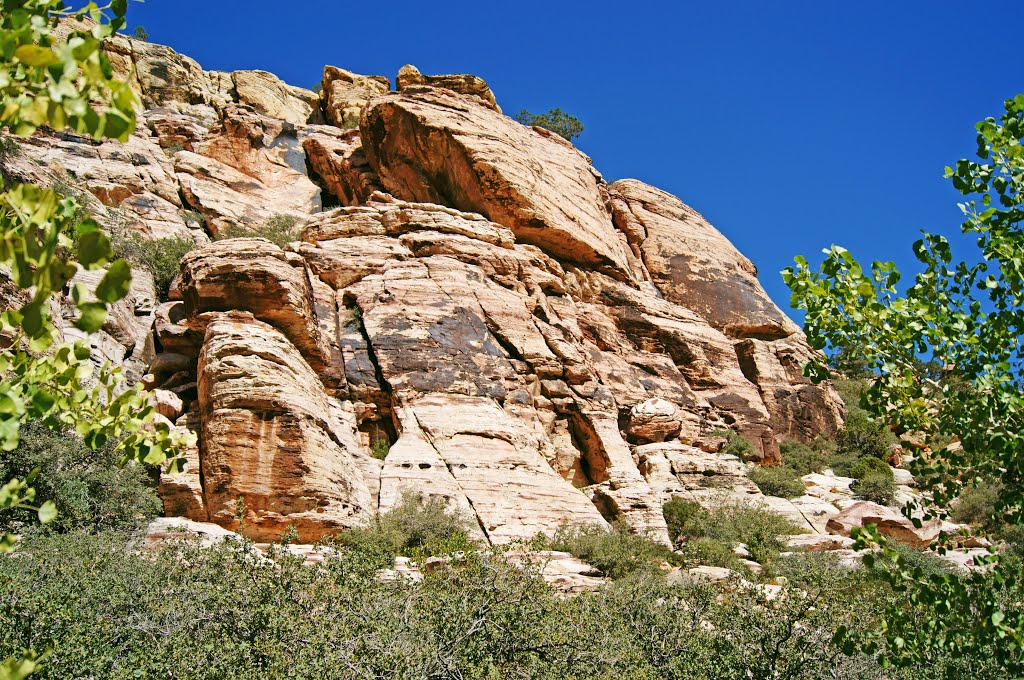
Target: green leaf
[
  {"x": 47, "y": 512},
  {"x": 91, "y": 316},
  {"x": 34, "y": 55},
  {"x": 94, "y": 249},
  {"x": 116, "y": 282}
]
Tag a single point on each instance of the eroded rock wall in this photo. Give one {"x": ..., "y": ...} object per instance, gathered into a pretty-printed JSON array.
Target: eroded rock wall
[{"x": 468, "y": 311}]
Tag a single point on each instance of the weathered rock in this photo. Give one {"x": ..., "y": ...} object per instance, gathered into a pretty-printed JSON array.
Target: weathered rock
[
  {"x": 434, "y": 146},
  {"x": 463, "y": 83},
  {"x": 565, "y": 572},
  {"x": 165, "y": 529},
  {"x": 346, "y": 94},
  {"x": 694, "y": 265},
  {"x": 166, "y": 77},
  {"x": 249, "y": 169},
  {"x": 818, "y": 542},
  {"x": 168, "y": 404},
  {"x": 269, "y": 438},
  {"x": 890, "y": 523},
  {"x": 126, "y": 186},
  {"x": 654, "y": 420},
  {"x": 798, "y": 408},
  {"x": 258, "y": 277},
  {"x": 182, "y": 493},
  {"x": 270, "y": 96},
  {"x": 338, "y": 160}
]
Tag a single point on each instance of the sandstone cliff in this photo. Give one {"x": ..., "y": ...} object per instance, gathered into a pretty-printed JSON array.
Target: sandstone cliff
[{"x": 466, "y": 295}]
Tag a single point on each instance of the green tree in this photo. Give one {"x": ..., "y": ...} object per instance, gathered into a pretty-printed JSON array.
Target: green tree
[
  {"x": 556, "y": 120},
  {"x": 966, "y": 316},
  {"x": 140, "y": 33}
]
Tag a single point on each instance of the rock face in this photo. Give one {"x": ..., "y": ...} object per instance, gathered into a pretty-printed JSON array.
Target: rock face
[
  {"x": 434, "y": 146},
  {"x": 463, "y": 83},
  {"x": 464, "y": 294}
]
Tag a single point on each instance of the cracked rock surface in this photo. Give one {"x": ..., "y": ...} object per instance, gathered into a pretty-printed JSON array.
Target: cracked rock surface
[{"x": 463, "y": 293}]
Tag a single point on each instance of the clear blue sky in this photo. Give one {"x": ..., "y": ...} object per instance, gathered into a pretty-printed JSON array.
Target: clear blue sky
[{"x": 789, "y": 125}]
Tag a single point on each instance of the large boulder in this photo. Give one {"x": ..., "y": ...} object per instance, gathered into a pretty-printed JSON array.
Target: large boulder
[
  {"x": 434, "y": 146},
  {"x": 255, "y": 276},
  {"x": 889, "y": 522},
  {"x": 463, "y": 83},
  {"x": 269, "y": 95}
]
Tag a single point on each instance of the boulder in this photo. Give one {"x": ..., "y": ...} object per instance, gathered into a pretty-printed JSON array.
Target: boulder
[
  {"x": 346, "y": 94},
  {"x": 654, "y": 420},
  {"x": 255, "y": 276},
  {"x": 270, "y": 96},
  {"x": 890, "y": 523},
  {"x": 463, "y": 83}
]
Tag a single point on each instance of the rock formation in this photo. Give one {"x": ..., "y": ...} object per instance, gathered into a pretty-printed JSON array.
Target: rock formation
[{"x": 467, "y": 296}]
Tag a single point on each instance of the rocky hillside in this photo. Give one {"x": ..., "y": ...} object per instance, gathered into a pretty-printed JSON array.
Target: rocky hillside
[{"x": 468, "y": 309}]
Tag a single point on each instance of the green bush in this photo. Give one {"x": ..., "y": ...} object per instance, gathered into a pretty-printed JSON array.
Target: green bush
[
  {"x": 418, "y": 526},
  {"x": 732, "y": 523},
  {"x": 805, "y": 459},
  {"x": 161, "y": 256},
  {"x": 1013, "y": 534},
  {"x": 88, "y": 487},
  {"x": 713, "y": 553},
  {"x": 977, "y": 504},
  {"x": 107, "y": 610},
  {"x": 735, "y": 444},
  {"x": 860, "y": 467},
  {"x": 279, "y": 230},
  {"x": 617, "y": 552},
  {"x": 777, "y": 481},
  {"x": 556, "y": 120},
  {"x": 679, "y": 515},
  {"x": 876, "y": 487}
]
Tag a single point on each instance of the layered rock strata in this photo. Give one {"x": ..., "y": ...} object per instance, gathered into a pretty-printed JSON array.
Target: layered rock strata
[{"x": 468, "y": 310}]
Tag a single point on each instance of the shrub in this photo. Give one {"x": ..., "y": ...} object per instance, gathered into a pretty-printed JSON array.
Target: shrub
[
  {"x": 858, "y": 468},
  {"x": 679, "y": 515},
  {"x": 711, "y": 552},
  {"x": 805, "y": 459},
  {"x": 108, "y": 611},
  {"x": 161, "y": 256},
  {"x": 140, "y": 33},
  {"x": 88, "y": 487},
  {"x": 977, "y": 504},
  {"x": 876, "y": 487},
  {"x": 777, "y": 481},
  {"x": 617, "y": 552},
  {"x": 1013, "y": 534},
  {"x": 380, "y": 448},
  {"x": 735, "y": 444},
  {"x": 418, "y": 526},
  {"x": 279, "y": 230},
  {"x": 556, "y": 120},
  {"x": 732, "y": 523}
]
